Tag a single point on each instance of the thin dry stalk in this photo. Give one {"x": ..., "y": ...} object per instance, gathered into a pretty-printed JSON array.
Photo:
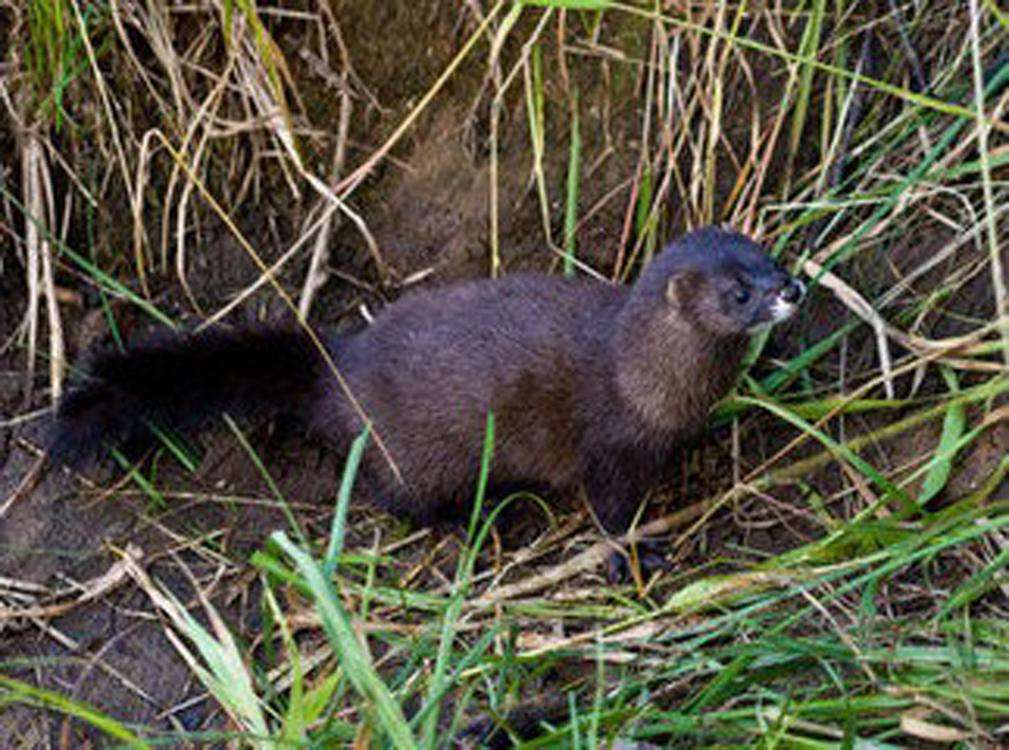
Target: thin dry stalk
[
  {"x": 983, "y": 127},
  {"x": 81, "y": 594},
  {"x": 39, "y": 219},
  {"x": 111, "y": 121},
  {"x": 317, "y": 268}
]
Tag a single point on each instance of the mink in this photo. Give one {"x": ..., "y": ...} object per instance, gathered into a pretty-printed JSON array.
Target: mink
[{"x": 591, "y": 384}]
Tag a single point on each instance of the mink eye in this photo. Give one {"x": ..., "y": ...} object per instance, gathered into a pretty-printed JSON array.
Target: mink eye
[{"x": 741, "y": 294}]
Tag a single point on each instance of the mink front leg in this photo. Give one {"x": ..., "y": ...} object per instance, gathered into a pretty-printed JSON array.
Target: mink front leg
[{"x": 616, "y": 482}]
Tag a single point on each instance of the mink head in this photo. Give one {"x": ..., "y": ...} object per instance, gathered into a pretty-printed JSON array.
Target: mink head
[{"x": 723, "y": 282}]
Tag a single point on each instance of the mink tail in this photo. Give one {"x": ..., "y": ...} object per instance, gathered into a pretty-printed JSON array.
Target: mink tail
[{"x": 183, "y": 384}]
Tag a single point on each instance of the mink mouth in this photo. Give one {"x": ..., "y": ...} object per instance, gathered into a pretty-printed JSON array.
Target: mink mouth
[{"x": 781, "y": 307}]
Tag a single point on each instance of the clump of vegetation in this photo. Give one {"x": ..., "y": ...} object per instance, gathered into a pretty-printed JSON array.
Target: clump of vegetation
[{"x": 840, "y": 545}]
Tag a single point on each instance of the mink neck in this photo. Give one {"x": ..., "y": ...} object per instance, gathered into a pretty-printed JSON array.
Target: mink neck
[{"x": 671, "y": 370}]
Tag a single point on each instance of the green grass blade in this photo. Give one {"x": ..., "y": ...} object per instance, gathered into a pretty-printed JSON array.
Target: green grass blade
[
  {"x": 22, "y": 691},
  {"x": 344, "y": 641},
  {"x": 808, "y": 49},
  {"x": 953, "y": 427},
  {"x": 573, "y": 183},
  {"x": 265, "y": 474},
  {"x": 338, "y": 529},
  {"x": 460, "y": 588}
]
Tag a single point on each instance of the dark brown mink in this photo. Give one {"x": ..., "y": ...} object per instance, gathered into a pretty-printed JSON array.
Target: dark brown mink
[{"x": 591, "y": 384}]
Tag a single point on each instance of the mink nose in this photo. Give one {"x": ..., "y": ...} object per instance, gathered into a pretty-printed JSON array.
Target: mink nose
[{"x": 792, "y": 291}]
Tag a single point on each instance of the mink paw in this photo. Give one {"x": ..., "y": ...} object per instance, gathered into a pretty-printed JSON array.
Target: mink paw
[
  {"x": 650, "y": 560},
  {"x": 483, "y": 733}
]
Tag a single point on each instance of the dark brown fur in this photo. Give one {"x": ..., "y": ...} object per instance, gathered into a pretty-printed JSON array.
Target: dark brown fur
[
  {"x": 591, "y": 384},
  {"x": 580, "y": 392}
]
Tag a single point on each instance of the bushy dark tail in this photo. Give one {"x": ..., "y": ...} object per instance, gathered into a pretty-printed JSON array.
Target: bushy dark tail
[{"x": 182, "y": 383}]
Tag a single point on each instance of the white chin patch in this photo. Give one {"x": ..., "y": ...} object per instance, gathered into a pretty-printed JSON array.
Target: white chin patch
[{"x": 780, "y": 310}]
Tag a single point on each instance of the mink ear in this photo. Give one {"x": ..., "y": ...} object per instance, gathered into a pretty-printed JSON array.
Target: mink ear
[{"x": 681, "y": 287}]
